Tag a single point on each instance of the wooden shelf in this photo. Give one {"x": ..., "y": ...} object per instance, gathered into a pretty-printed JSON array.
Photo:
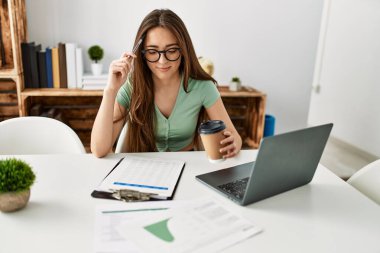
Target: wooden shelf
[
  {"x": 243, "y": 92},
  {"x": 6, "y": 73},
  {"x": 224, "y": 92},
  {"x": 51, "y": 92}
]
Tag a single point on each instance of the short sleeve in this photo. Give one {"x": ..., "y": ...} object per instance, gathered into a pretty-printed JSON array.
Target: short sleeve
[
  {"x": 124, "y": 94},
  {"x": 210, "y": 93}
]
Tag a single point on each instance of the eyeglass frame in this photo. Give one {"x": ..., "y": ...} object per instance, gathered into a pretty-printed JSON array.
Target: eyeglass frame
[{"x": 143, "y": 52}]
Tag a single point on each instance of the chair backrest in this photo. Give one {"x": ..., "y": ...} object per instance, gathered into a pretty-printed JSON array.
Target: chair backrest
[
  {"x": 38, "y": 135},
  {"x": 367, "y": 181},
  {"x": 120, "y": 140}
]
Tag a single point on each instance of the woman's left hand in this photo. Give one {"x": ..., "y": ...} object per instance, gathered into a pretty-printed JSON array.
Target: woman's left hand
[{"x": 231, "y": 145}]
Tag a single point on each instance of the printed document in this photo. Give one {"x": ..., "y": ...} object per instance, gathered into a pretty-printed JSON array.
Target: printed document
[
  {"x": 109, "y": 217},
  {"x": 198, "y": 226}
]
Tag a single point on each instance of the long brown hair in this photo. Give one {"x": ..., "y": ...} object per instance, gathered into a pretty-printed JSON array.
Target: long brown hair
[{"x": 141, "y": 116}]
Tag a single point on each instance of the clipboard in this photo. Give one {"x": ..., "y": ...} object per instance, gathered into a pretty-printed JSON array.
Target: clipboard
[{"x": 111, "y": 194}]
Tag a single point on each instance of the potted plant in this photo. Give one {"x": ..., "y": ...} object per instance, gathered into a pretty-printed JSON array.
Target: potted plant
[
  {"x": 16, "y": 178},
  {"x": 235, "y": 84},
  {"x": 96, "y": 54}
]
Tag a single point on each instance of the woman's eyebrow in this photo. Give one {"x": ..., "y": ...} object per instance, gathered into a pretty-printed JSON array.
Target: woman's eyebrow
[{"x": 169, "y": 45}]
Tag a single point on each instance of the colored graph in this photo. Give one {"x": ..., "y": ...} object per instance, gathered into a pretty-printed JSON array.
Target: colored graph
[{"x": 160, "y": 229}]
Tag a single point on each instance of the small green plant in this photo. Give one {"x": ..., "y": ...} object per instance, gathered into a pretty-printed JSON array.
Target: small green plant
[
  {"x": 15, "y": 175},
  {"x": 95, "y": 53},
  {"x": 235, "y": 79}
]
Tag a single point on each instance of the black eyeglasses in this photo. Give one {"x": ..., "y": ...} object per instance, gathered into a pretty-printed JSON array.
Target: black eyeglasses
[{"x": 153, "y": 55}]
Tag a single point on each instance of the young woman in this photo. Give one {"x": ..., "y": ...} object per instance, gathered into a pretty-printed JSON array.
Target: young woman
[{"x": 161, "y": 92}]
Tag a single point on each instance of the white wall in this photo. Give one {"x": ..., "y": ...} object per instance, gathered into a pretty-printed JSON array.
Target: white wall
[
  {"x": 348, "y": 72},
  {"x": 270, "y": 44}
]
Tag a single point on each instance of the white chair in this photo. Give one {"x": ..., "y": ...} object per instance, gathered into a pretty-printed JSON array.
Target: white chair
[
  {"x": 38, "y": 135},
  {"x": 120, "y": 140},
  {"x": 367, "y": 181}
]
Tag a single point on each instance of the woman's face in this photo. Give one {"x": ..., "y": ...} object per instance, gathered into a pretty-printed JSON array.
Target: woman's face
[{"x": 161, "y": 39}]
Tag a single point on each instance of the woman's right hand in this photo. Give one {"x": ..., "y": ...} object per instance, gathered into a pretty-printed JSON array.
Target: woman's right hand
[{"x": 119, "y": 69}]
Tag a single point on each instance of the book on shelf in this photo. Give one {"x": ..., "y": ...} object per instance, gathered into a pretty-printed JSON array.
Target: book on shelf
[
  {"x": 62, "y": 65},
  {"x": 49, "y": 67},
  {"x": 79, "y": 66},
  {"x": 42, "y": 73},
  {"x": 99, "y": 86},
  {"x": 55, "y": 65},
  {"x": 34, "y": 65},
  {"x": 30, "y": 64},
  {"x": 25, "y": 52},
  {"x": 70, "y": 65},
  {"x": 95, "y": 81},
  {"x": 89, "y": 76},
  {"x": 91, "y": 82}
]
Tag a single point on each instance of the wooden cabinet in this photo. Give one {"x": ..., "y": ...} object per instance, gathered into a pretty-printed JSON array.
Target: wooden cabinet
[
  {"x": 246, "y": 109},
  {"x": 12, "y": 33},
  {"x": 75, "y": 107},
  {"x": 79, "y": 107}
]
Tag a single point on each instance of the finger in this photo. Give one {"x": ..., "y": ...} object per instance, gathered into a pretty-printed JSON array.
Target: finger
[
  {"x": 228, "y": 148},
  {"x": 129, "y": 59},
  {"x": 120, "y": 70},
  {"x": 118, "y": 65},
  {"x": 126, "y": 66},
  {"x": 227, "y": 140},
  {"x": 123, "y": 60},
  {"x": 227, "y": 133},
  {"x": 128, "y": 55},
  {"x": 125, "y": 54},
  {"x": 229, "y": 155},
  {"x": 122, "y": 64}
]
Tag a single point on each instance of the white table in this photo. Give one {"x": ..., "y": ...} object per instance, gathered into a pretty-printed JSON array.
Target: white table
[{"x": 327, "y": 215}]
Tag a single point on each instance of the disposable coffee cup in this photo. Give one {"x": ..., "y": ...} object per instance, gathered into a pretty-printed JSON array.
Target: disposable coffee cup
[{"x": 211, "y": 133}]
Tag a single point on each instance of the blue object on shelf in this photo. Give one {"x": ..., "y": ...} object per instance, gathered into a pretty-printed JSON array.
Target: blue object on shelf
[{"x": 269, "y": 125}]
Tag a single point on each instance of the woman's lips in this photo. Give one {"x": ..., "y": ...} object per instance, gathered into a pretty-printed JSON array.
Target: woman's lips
[{"x": 164, "y": 69}]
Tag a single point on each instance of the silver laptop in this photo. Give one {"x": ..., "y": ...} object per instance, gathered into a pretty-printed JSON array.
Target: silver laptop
[{"x": 283, "y": 162}]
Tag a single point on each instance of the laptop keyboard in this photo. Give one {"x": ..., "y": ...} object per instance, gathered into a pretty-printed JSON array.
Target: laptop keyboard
[{"x": 236, "y": 188}]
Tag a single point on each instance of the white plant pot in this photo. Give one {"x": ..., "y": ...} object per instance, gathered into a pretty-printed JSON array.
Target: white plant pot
[
  {"x": 234, "y": 86},
  {"x": 96, "y": 69}
]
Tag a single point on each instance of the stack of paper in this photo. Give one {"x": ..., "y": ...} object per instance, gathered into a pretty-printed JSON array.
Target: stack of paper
[
  {"x": 178, "y": 226},
  {"x": 91, "y": 82}
]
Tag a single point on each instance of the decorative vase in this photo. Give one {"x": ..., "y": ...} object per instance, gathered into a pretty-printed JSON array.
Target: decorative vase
[
  {"x": 234, "y": 86},
  {"x": 13, "y": 201},
  {"x": 96, "y": 69}
]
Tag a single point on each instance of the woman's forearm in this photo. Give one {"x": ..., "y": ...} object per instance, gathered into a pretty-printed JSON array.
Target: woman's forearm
[{"x": 102, "y": 131}]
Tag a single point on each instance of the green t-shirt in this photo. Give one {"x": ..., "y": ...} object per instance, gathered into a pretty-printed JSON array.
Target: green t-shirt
[{"x": 177, "y": 131}]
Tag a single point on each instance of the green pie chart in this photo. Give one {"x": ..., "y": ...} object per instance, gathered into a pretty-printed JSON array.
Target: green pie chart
[{"x": 160, "y": 229}]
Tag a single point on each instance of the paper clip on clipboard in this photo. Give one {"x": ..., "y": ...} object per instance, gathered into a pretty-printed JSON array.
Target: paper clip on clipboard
[{"x": 131, "y": 195}]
